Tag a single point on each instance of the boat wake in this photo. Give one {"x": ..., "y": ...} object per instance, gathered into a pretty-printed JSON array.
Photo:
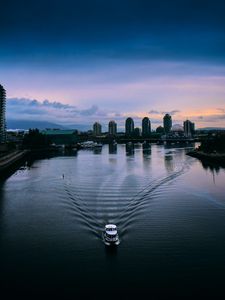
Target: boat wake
[{"x": 95, "y": 209}]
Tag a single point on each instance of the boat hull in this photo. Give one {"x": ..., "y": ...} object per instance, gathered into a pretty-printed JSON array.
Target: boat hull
[{"x": 111, "y": 241}]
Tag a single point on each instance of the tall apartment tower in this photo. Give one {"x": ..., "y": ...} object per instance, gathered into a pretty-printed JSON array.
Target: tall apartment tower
[
  {"x": 146, "y": 127},
  {"x": 112, "y": 128},
  {"x": 2, "y": 115},
  {"x": 189, "y": 128},
  {"x": 167, "y": 123},
  {"x": 129, "y": 127},
  {"x": 97, "y": 129}
]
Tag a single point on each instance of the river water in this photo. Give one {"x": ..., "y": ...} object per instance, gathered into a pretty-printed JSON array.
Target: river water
[{"x": 169, "y": 209}]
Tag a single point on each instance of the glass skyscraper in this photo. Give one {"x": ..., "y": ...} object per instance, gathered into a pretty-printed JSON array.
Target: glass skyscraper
[
  {"x": 189, "y": 128},
  {"x": 167, "y": 123},
  {"x": 97, "y": 129},
  {"x": 129, "y": 127},
  {"x": 146, "y": 127},
  {"x": 112, "y": 128},
  {"x": 2, "y": 114}
]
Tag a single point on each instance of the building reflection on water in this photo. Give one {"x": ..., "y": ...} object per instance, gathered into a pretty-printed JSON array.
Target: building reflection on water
[
  {"x": 97, "y": 151},
  {"x": 146, "y": 149},
  {"x": 129, "y": 149},
  {"x": 112, "y": 148},
  {"x": 169, "y": 164}
]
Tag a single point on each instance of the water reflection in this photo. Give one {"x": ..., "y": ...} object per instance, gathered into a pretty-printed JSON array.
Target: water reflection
[
  {"x": 212, "y": 167},
  {"x": 111, "y": 251},
  {"x": 169, "y": 145},
  {"x": 146, "y": 149},
  {"x": 97, "y": 150},
  {"x": 169, "y": 164},
  {"x": 112, "y": 148},
  {"x": 68, "y": 152},
  {"x": 129, "y": 149},
  {"x": 42, "y": 214}
]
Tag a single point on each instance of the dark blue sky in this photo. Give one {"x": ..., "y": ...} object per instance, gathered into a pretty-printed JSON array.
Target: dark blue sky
[
  {"x": 125, "y": 28},
  {"x": 109, "y": 53}
]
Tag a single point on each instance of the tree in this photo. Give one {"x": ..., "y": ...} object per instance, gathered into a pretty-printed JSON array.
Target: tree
[{"x": 35, "y": 140}]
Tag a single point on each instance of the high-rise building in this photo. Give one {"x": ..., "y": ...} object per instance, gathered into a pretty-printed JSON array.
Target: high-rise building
[
  {"x": 167, "y": 123},
  {"x": 189, "y": 128},
  {"x": 2, "y": 114},
  {"x": 146, "y": 127},
  {"x": 129, "y": 127},
  {"x": 137, "y": 132},
  {"x": 112, "y": 128},
  {"x": 160, "y": 129},
  {"x": 97, "y": 129}
]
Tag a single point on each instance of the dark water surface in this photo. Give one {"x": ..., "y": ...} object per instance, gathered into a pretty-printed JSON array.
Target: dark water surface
[{"x": 170, "y": 212}]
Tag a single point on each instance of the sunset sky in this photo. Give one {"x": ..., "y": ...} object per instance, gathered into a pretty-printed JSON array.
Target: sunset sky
[{"x": 77, "y": 62}]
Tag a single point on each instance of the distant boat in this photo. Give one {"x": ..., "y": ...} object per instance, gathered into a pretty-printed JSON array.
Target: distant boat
[
  {"x": 97, "y": 145},
  {"x": 90, "y": 145},
  {"x": 110, "y": 235}
]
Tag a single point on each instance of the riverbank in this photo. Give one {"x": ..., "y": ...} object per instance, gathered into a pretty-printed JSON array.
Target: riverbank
[
  {"x": 9, "y": 160},
  {"x": 218, "y": 158}
]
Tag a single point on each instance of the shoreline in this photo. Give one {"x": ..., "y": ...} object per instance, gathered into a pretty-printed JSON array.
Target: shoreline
[
  {"x": 11, "y": 160},
  {"x": 218, "y": 158}
]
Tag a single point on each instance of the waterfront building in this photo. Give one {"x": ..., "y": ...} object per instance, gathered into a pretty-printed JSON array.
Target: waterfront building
[
  {"x": 2, "y": 115},
  {"x": 112, "y": 128},
  {"x": 189, "y": 128},
  {"x": 160, "y": 129},
  {"x": 177, "y": 130},
  {"x": 167, "y": 123},
  {"x": 61, "y": 136},
  {"x": 137, "y": 132},
  {"x": 146, "y": 127},
  {"x": 129, "y": 127},
  {"x": 97, "y": 129}
]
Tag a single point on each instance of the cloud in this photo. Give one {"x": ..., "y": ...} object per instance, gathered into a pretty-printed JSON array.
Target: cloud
[
  {"x": 23, "y": 108},
  {"x": 154, "y": 112},
  {"x": 90, "y": 111},
  {"x": 212, "y": 118},
  {"x": 66, "y": 114},
  {"x": 54, "y": 111},
  {"x": 221, "y": 110},
  {"x": 172, "y": 112}
]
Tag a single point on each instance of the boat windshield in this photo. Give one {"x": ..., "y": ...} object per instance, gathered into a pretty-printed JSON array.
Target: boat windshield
[
  {"x": 111, "y": 235},
  {"x": 111, "y": 229}
]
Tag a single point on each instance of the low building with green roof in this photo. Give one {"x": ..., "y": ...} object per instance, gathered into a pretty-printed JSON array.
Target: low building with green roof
[{"x": 61, "y": 136}]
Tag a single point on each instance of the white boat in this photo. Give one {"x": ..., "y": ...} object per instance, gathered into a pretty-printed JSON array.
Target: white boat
[
  {"x": 97, "y": 145},
  {"x": 110, "y": 235},
  {"x": 90, "y": 145}
]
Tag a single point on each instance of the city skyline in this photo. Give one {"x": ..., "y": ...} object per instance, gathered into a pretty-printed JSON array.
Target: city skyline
[
  {"x": 111, "y": 60},
  {"x": 144, "y": 128},
  {"x": 187, "y": 128}
]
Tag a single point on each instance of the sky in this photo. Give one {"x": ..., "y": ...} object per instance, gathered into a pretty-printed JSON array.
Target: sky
[{"x": 77, "y": 62}]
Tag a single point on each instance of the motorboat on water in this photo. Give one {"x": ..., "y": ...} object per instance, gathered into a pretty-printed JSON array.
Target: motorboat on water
[
  {"x": 97, "y": 145},
  {"x": 110, "y": 235},
  {"x": 90, "y": 145}
]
